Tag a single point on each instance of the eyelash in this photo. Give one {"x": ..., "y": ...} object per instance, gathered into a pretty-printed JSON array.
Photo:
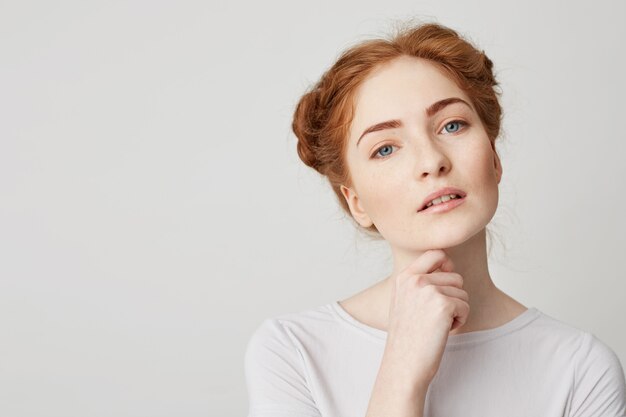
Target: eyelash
[{"x": 463, "y": 124}]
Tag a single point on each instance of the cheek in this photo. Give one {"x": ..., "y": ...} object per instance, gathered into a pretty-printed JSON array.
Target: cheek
[
  {"x": 479, "y": 164},
  {"x": 385, "y": 195},
  {"x": 489, "y": 169},
  {"x": 483, "y": 170}
]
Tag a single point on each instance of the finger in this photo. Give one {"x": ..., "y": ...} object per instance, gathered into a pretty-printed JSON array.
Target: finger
[
  {"x": 428, "y": 262},
  {"x": 447, "y": 266},
  {"x": 441, "y": 278},
  {"x": 461, "y": 312},
  {"x": 453, "y": 292}
]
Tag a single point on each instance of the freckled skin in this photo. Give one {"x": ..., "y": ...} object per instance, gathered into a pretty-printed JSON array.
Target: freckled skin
[{"x": 424, "y": 155}]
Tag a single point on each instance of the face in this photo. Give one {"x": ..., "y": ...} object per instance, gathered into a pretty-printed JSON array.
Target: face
[{"x": 397, "y": 166}]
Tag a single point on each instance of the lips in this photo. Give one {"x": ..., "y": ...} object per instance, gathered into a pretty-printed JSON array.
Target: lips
[{"x": 439, "y": 193}]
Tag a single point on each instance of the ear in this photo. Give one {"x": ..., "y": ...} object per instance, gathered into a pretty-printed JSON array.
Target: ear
[
  {"x": 497, "y": 163},
  {"x": 357, "y": 210}
]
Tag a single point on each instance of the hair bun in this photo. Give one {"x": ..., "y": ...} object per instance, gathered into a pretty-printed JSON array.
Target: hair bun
[{"x": 306, "y": 127}]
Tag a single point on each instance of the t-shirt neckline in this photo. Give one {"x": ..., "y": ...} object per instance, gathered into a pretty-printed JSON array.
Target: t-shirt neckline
[{"x": 518, "y": 322}]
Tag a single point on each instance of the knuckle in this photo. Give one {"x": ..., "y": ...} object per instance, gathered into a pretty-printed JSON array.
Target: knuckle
[
  {"x": 430, "y": 291},
  {"x": 445, "y": 305},
  {"x": 439, "y": 299},
  {"x": 465, "y": 307},
  {"x": 421, "y": 280},
  {"x": 458, "y": 279}
]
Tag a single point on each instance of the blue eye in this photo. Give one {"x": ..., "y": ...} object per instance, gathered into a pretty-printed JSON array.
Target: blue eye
[
  {"x": 383, "y": 148},
  {"x": 453, "y": 123}
]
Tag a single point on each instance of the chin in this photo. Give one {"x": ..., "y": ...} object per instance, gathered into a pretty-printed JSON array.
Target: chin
[
  {"x": 447, "y": 232},
  {"x": 451, "y": 239},
  {"x": 453, "y": 235}
]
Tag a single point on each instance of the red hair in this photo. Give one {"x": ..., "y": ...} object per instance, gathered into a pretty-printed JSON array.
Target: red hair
[{"x": 323, "y": 115}]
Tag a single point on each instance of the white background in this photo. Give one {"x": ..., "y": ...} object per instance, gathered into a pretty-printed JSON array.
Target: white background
[{"x": 153, "y": 210}]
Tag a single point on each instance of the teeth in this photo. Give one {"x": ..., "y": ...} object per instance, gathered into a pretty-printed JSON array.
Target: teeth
[{"x": 442, "y": 199}]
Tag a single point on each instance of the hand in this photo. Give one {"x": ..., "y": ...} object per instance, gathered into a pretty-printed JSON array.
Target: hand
[{"x": 427, "y": 302}]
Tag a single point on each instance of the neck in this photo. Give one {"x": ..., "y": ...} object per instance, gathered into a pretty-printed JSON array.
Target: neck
[{"x": 489, "y": 306}]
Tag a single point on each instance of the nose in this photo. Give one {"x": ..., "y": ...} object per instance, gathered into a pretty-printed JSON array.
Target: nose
[{"x": 430, "y": 159}]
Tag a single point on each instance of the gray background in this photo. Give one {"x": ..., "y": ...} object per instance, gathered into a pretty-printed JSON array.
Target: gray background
[{"x": 153, "y": 210}]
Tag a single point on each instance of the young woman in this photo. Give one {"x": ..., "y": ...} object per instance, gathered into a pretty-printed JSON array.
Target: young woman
[{"x": 405, "y": 129}]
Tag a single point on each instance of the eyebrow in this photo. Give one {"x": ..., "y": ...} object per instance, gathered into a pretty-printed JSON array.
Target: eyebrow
[{"x": 430, "y": 111}]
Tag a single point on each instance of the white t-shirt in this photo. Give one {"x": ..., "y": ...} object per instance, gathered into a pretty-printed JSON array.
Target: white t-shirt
[{"x": 323, "y": 362}]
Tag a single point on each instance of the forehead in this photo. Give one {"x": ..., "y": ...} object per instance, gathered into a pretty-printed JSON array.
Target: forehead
[{"x": 404, "y": 87}]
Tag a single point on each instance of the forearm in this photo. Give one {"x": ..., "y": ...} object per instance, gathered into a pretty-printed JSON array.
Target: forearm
[{"x": 391, "y": 397}]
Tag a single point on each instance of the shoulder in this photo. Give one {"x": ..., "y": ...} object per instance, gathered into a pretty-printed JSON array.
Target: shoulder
[
  {"x": 271, "y": 349},
  {"x": 598, "y": 387},
  {"x": 277, "y": 378},
  {"x": 564, "y": 339},
  {"x": 294, "y": 326},
  {"x": 592, "y": 350},
  {"x": 599, "y": 383},
  {"x": 280, "y": 341},
  {"x": 585, "y": 348}
]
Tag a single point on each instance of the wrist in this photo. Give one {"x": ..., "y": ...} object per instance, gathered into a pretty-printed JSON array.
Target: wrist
[{"x": 404, "y": 381}]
